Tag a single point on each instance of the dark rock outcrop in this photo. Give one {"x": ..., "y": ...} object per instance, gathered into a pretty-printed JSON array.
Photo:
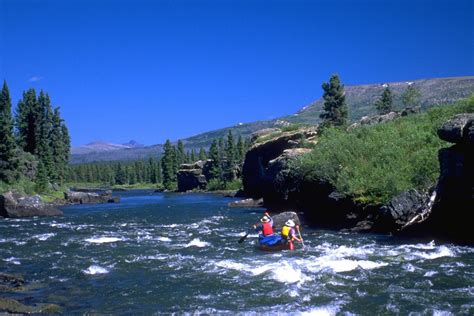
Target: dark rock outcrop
[
  {"x": 13, "y": 204},
  {"x": 265, "y": 162},
  {"x": 191, "y": 176},
  {"x": 88, "y": 196},
  {"x": 400, "y": 210},
  {"x": 454, "y": 203}
]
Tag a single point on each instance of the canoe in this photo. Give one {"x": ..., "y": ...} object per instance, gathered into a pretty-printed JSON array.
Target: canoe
[{"x": 277, "y": 247}]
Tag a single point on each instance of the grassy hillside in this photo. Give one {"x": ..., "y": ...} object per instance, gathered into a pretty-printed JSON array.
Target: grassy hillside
[
  {"x": 360, "y": 100},
  {"x": 374, "y": 163}
]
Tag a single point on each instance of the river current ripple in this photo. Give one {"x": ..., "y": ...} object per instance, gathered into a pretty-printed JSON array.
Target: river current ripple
[{"x": 163, "y": 253}]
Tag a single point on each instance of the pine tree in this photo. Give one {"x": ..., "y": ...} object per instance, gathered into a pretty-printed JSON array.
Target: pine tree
[
  {"x": 27, "y": 121},
  {"x": 240, "y": 149},
  {"x": 41, "y": 178},
  {"x": 193, "y": 157},
  {"x": 335, "y": 108},
  {"x": 7, "y": 142},
  {"x": 385, "y": 104},
  {"x": 168, "y": 165},
  {"x": 181, "y": 155},
  {"x": 410, "y": 97},
  {"x": 230, "y": 157},
  {"x": 215, "y": 170},
  {"x": 202, "y": 154},
  {"x": 120, "y": 175},
  {"x": 43, "y": 148}
]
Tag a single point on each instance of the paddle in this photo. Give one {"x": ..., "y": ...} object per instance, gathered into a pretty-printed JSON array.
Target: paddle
[
  {"x": 299, "y": 233},
  {"x": 241, "y": 240}
]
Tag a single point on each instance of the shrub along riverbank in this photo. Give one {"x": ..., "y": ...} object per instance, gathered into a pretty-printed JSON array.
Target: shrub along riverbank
[{"x": 374, "y": 163}]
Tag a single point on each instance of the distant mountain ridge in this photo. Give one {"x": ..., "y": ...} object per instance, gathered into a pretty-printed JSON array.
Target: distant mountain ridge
[
  {"x": 102, "y": 146},
  {"x": 360, "y": 100}
]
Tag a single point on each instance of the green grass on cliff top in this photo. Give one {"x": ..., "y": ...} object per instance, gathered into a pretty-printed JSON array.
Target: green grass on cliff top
[{"x": 374, "y": 163}]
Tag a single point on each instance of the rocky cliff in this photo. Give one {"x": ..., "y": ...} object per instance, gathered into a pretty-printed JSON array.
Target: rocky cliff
[{"x": 454, "y": 203}]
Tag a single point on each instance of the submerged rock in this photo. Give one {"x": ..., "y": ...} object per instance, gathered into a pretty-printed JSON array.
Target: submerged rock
[{"x": 13, "y": 204}]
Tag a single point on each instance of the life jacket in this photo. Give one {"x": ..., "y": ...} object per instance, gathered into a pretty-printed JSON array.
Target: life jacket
[
  {"x": 267, "y": 229},
  {"x": 285, "y": 231}
]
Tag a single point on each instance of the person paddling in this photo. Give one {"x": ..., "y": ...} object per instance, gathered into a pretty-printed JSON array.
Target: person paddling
[
  {"x": 288, "y": 232},
  {"x": 266, "y": 226}
]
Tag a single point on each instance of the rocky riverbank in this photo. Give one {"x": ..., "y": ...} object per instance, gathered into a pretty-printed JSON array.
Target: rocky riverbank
[
  {"x": 16, "y": 205},
  {"x": 441, "y": 212}
]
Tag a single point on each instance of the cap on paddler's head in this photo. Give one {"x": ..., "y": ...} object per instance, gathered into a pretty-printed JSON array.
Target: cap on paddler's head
[
  {"x": 290, "y": 223},
  {"x": 265, "y": 219}
]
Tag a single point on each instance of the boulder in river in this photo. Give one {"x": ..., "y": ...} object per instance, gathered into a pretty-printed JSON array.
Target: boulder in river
[
  {"x": 90, "y": 197},
  {"x": 280, "y": 219},
  {"x": 247, "y": 203},
  {"x": 13, "y": 204}
]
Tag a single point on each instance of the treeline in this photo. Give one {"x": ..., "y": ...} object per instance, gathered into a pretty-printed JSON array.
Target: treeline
[
  {"x": 34, "y": 143},
  {"x": 224, "y": 156}
]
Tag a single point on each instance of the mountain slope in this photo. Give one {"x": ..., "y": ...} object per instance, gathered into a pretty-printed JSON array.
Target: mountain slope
[{"x": 360, "y": 100}]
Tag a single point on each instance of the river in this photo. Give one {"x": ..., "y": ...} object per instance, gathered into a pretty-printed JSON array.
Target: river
[{"x": 163, "y": 253}]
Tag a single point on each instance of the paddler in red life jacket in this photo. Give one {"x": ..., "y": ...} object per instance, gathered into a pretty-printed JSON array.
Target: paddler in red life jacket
[
  {"x": 266, "y": 228},
  {"x": 288, "y": 231}
]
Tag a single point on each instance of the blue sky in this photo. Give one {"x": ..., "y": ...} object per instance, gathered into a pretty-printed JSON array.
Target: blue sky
[{"x": 152, "y": 70}]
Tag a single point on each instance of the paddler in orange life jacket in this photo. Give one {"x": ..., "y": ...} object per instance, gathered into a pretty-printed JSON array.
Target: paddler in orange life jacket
[
  {"x": 266, "y": 227},
  {"x": 288, "y": 231}
]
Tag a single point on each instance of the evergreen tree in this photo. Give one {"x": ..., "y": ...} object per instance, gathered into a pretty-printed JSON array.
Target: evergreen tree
[
  {"x": 215, "y": 171},
  {"x": 410, "y": 97},
  {"x": 193, "y": 157},
  {"x": 43, "y": 148},
  {"x": 230, "y": 157},
  {"x": 41, "y": 178},
  {"x": 7, "y": 142},
  {"x": 334, "y": 109},
  {"x": 221, "y": 150},
  {"x": 385, "y": 104},
  {"x": 240, "y": 149},
  {"x": 120, "y": 175},
  {"x": 26, "y": 121},
  {"x": 181, "y": 155},
  {"x": 230, "y": 148},
  {"x": 159, "y": 173},
  {"x": 168, "y": 165},
  {"x": 202, "y": 154}
]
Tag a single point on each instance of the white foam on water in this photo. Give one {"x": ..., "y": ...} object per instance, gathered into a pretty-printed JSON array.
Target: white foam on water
[
  {"x": 441, "y": 251},
  {"x": 13, "y": 260},
  {"x": 328, "y": 310},
  {"x": 43, "y": 237},
  {"x": 196, "y": 242},
  {"x": 441, "y": 313},
  {"x": 430, "y": 273},
  {"x": 335, "y": 264},
  {"x": 282, "y": 272},
  {"x": 409, "y": 267},
  {"x": 95, "y": 269},
  {"x": 287, "y": 274},
  {"x": 103, "y": 240},
  {"x": 165, "y": 239}
]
